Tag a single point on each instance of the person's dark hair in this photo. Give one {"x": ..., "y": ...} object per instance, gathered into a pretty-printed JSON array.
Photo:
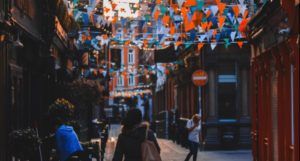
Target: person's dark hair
[{"x": 133, "y": 117}]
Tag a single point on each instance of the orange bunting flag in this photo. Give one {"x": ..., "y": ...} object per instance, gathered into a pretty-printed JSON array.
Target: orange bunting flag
[
  {"x": 106, "y": 9},
  {"x": 236, "y": 10},
  {"x": 221, "y": 7},
  {"x": 197, "y": 17},
  {"x": 166, "y": 20},
  {"x": 175, "y": 7},
  {"x": 184, "y": 11},
  {"x": 127, "y": 42},
  {"x": 122, "y": 10},
  {"x": 218, "y": 1},
  {"x": 113, "y": 5},
  {"x": 190, "y": 3},
  {"x": 245, "y": 14},
  {"x": 156, "y": 15},
  {"x": 214, "y": 32},
  {"x": 158, "y": 1},
  {"x": 200, "y": 46},
  {"x": 240, "y": 44},
  {"x": 178, "y": 43},
  {"x": 188, "y": 25},
  {"x": 221, "y": 21},
  {"x": 209, "y": 25},
  {"x": 208, "y": 13},
  {"x": 172, "y": 29},
  {"x": 115, "y": 19},
  {"x": 243, "y": 25},
  {"x": 204, "y": 25}
]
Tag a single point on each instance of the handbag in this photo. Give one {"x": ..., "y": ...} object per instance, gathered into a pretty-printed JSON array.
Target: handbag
[{"x": 149, "y": 150}]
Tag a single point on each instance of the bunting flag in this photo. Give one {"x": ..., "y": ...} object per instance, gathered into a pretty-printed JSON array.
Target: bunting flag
[
  {"x": 232, "y": 35},
  {"x": 240, "y": 43},
  {"x": 190, "y": 3},
  {"x": 166, "y": 20},
  {"x": 172, "y": 29},
  {"x": 201, "y": 38},
  {"x": 221, "y": 21},
  {"x": 180, "y": 2},
  {"x": 221, "y": 7},
  {"x": 236, "y": 10},
  {"x": 227, "y": 43},
  {"x": 156, "y": 14},
  {"x": 200, "y": 46},
  {"x": 214, "y": 9},
  {"x": 213, "y": 45},
  {"x": 156, "y": 21}
]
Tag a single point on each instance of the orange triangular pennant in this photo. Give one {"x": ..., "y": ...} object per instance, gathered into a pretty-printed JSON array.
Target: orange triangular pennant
[
  {"x": 236, "y": 10},
  {"x": 208, "y": 13},
  {"x": 197, "y": 17},
  {"x": 158, "y": 1},
  {"x": 209, "y": 25},
  {"x": 127, "y": 42},
  {"x": 113, "y": 5},
  {"x": 221, "y": 7},
  {"x": 200, "y": 45},
  {"x": 172, "y": 29},
  {"x": 240, "y": 44},
  {"x": 243, "y": 25},
  {"x": 218, "y": 1},
  {"x": 188, "y": 26},
  {"x": 214, "y": 32},
  {"x": 178, "y": 43},
  {"x": 221, "y": 21},
  {"x": 156, "y": 15},
  {"x": 245, "y": 14},
  {"x": 166, "y": 20},
  {"x": 204, "y": 25},
  {"x": 190, "y": 3}
]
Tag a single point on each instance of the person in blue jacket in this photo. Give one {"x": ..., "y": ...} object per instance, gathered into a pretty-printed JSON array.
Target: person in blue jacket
[{"x": 67, "y": 142}]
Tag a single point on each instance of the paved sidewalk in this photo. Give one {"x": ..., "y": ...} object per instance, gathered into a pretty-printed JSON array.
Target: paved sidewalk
[{"x": 173, "y": 152}]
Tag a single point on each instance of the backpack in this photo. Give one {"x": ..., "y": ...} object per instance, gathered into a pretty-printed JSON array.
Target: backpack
[{"x": 149, "y": 150}]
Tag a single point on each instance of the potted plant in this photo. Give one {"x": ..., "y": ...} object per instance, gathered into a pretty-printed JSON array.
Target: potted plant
[{"x": 24, "y": 143}]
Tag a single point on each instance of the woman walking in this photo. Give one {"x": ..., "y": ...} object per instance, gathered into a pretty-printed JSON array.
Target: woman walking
[
  {"x": 194, "y": 128},
  {"x": 132, "y": 136}
]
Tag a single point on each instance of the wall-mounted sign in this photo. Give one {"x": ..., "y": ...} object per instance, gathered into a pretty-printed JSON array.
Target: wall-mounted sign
[{"x": 199, "y": 77}]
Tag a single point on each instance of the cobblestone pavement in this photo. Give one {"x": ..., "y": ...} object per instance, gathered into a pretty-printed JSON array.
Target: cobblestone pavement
[{"x": 173, "y": 152}]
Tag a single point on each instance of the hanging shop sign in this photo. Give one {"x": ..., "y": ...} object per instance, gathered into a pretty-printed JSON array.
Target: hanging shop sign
[{"x": 199, "y": 77}]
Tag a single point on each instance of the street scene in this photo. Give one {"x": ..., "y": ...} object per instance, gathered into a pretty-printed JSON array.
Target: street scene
[{"x": 149, "y": 80}]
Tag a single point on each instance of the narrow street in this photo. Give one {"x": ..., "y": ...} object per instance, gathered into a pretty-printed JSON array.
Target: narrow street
[
  {"x": 173, "y": 152},
  {"x": 216, "y": 79}
]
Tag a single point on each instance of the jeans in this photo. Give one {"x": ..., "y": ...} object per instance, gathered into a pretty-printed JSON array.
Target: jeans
[{"x": 193, "y": 151}]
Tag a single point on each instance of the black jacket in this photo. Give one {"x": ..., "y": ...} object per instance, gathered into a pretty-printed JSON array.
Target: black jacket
[{"x": 129, "y": 144}]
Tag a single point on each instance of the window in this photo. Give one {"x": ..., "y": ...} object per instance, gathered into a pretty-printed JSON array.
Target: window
[
  {"x": 131, "y": 80},
  {"x": 120, "y": 81},
  {"x": 130, "y": 57}
]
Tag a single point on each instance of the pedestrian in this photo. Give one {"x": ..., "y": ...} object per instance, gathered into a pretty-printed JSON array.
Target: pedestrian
[
  {"x": 67, "y": 142},
  {"x": 132, "y": 136},
  {"x": 194, "y": 128}
]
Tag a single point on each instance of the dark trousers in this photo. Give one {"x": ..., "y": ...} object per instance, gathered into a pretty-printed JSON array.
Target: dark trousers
[{"x": 193, "y": 151}]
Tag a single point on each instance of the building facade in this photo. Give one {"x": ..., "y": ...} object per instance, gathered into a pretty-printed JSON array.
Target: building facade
[
  {"x": 27, "y": 68},
  {"x": 274, "y": 35}
]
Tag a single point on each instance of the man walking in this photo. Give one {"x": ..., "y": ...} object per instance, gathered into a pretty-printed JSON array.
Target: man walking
[{"x": 194, "y": 128}]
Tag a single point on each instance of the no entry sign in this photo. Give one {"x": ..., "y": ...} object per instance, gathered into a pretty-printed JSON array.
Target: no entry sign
[{"x": 199, "y": 77}]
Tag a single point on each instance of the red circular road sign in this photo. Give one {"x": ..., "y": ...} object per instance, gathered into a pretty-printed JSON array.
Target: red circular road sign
[{"x": 199, "y": 77}]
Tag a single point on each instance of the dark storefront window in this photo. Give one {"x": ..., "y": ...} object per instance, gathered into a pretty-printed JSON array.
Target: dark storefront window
[{"x": 227, "y": 90}]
